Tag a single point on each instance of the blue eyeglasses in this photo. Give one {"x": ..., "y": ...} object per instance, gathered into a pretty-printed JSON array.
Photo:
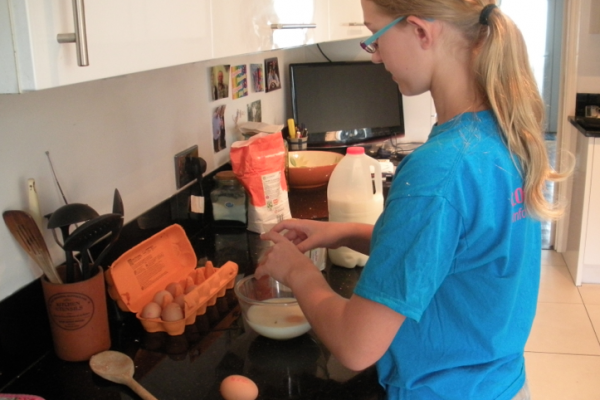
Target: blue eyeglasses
[{"x": 369, "y": 45}]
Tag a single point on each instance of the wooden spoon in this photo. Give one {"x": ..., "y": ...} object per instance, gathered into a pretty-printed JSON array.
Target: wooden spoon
[{"x": 118, "y": 367}]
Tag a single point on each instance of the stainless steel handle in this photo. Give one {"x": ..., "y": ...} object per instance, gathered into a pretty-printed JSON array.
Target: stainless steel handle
[
  {"x": 356, "y": 24},
  {"x": 80, "y": 35},
  {"x": 293, "y": 26}
]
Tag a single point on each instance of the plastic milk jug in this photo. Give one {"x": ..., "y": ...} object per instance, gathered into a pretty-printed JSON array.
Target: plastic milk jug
[{"x": 354, "y": 194}]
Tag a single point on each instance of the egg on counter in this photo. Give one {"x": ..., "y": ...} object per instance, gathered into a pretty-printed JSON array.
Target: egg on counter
[{"x": 238, "y": 387}]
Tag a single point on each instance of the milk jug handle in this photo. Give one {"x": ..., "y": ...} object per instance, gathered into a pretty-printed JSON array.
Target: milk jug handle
[{"x": 377, "y": 176}]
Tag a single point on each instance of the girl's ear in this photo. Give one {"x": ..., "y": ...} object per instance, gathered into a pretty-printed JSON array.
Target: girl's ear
[{"x": 423, "y": 30}]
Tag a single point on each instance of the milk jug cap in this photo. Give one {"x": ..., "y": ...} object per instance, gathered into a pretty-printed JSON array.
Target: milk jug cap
[{"x": 355, "y": 150}]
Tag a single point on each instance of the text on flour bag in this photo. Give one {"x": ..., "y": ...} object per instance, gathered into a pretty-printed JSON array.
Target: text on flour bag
[{"x": 354, "y": 194}]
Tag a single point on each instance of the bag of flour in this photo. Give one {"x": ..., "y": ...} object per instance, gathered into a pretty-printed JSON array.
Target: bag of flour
[{"x": 259, "y": 164}]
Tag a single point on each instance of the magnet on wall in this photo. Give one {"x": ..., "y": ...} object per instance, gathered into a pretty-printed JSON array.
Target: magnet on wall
[
  {"x": 239, "y": 81},
  {"x": 218, "y": 127},
  {"x": 272, "y": 68},
  {"x": 219, "y": 78},
  {"x": 256, "y": 71}
]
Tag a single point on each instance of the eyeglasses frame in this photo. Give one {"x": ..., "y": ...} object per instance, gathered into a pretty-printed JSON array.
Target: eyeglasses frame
[{"x": 369, "y": 45}]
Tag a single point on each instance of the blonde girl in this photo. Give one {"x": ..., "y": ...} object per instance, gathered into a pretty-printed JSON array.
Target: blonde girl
[{"x": 446, "y": 301}]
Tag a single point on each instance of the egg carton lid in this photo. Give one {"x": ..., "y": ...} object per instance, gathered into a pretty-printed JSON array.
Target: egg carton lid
[{"x": 136, "y": 276}]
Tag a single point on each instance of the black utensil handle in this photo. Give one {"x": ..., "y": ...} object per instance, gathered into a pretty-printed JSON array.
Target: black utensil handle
[{"x": 85, "y": 265}]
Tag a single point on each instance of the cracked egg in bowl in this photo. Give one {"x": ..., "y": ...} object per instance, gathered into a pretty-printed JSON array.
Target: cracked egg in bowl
[{"x": 309, "y": 169}]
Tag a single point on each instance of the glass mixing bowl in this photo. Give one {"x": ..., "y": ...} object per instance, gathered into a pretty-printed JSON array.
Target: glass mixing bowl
[{"x": 270, "y": 308}]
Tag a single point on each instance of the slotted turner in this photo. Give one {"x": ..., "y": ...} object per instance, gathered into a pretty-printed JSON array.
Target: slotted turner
[{"x": 25, "y": 230}]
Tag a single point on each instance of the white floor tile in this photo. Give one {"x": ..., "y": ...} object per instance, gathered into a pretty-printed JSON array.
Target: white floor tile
[
  {"x": 594, "y": 313},
  {"x": 563, "y": 377},
  {"x": 556, "y": 285},
  {"x": 563, "y": 328},
  {"x": 551, "y": 257},
  {"x": 590, "y": 293}
]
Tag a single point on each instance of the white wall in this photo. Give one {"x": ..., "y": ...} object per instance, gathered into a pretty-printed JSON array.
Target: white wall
[
  {"x": 588, "y": 59},
  {"x": 123, "y": 133},
  {"x": 114, "y": 133}
]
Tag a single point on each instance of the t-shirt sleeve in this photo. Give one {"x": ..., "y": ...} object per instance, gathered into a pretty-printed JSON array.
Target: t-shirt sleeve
[{"x": 412, "y": 250}]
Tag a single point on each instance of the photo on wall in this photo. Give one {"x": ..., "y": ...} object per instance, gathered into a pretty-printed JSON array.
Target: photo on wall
[
  {"x": 254, "y": 111},
  {"x": 239, "y": 81},
  {"x": 273, "y": 79},
  {"x": 219, "y": 78},
  {"x": 218, "y": 126},
  {"x": 258, "y": 82}
]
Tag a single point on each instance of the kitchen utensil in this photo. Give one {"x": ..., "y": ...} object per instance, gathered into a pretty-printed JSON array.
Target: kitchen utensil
[
  {"x": 118, "y": 204},
  {"x": 90, "y": 233},
  {"x": 297, "y": 144},
  {"x": 26, "y": 231},
  {"x": 34, "y": 203},
  {"x": 56, "y": 178},
  {"x": 311, "y": 168},
  {"x": 78, "y": 316},
  {"x": 270, "y": 308},
  {"x": 119, "y": 368},
  {"x": 63, "y": 218},
  {"x": 116, "y": 231}
]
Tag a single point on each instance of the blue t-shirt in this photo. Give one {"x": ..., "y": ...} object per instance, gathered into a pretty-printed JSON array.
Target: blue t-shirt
[{"x": 456, "y": 253}]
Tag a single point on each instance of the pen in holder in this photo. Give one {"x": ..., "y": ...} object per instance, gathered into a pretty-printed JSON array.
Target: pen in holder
[{"x": 299, "y": 143}]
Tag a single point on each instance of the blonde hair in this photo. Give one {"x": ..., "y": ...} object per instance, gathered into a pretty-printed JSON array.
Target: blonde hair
[{"x": 505, "y": 79}]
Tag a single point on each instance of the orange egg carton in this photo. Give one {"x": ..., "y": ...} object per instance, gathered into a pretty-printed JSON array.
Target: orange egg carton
[{"x": 167, "y": 257}]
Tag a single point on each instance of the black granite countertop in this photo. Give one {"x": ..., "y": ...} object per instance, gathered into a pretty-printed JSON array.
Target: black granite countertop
[
  {"x": 192, "y": 365},
  {"x": 589, "y": 127}
]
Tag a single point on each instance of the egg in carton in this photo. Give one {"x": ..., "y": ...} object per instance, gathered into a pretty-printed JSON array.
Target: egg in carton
[{"x": 166, "y": 262}]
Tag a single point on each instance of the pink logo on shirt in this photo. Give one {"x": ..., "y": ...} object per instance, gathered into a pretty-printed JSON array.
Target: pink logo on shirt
[{"x": 517, "y": 199}]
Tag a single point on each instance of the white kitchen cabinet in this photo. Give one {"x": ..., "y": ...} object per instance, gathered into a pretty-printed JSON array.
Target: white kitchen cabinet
[
  {"x": 123, "y": 37},
  {"x": 346, "y": 20},
  {"x": 241, "y": 26},
  {"x": 582, "y": 253}
]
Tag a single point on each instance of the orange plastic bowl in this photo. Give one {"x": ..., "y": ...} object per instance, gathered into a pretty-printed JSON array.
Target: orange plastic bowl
[{"x": 309, "y": 169}]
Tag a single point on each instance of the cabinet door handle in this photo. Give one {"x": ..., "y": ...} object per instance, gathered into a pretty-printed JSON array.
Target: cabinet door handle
[
  {"x": 356, "y": 24},
  {"x": 293, "y": 26},
  {"x": 79, "y": 37}
]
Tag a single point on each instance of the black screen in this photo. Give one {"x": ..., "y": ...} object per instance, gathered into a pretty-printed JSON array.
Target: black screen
[{"x": 345, "y": 102}]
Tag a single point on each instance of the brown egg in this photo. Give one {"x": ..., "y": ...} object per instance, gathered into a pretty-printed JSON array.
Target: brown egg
[
  {"x": 238, "y": 387},
  {"x": 163, "y": 298},
  {"x": 174, "y": 288},
  {"x": 180, "y": 300},
  {"x": 172, "y": 312},
  {"x": 151, "y": 310}
]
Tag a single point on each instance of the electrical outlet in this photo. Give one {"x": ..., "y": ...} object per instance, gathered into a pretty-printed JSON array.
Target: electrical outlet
[{"x": 184, "y": 175}]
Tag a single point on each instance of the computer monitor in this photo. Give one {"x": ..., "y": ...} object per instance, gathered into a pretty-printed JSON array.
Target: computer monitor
[{"x": 343, "y": 103}]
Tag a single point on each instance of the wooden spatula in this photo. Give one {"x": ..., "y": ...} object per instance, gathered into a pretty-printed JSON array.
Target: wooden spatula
[{"x": 26, "y": 231}]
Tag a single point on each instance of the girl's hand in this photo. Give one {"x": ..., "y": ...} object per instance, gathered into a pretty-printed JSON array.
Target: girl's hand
[
  {"x": 281, "y": 259},
  {"x": 308, "y": 235}
]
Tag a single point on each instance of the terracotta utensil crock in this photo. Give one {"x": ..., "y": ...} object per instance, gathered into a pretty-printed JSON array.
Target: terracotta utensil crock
[{"x": 78, "y": 317}]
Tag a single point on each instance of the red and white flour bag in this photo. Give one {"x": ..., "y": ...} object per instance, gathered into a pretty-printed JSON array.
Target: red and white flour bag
[{"x": 259, "y": 164}]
